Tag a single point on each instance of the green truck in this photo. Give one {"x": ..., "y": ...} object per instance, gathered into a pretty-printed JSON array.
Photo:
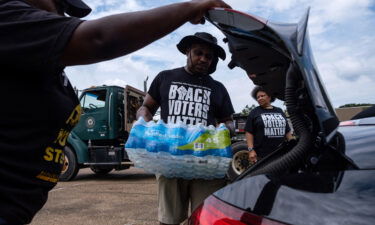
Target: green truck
[
  {"x": 98, "y": 140},
  {"x": 108, "y": 113}
]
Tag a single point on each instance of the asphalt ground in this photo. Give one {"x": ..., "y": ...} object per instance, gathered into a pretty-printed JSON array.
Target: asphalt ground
[{"x": 127, "y": 197}]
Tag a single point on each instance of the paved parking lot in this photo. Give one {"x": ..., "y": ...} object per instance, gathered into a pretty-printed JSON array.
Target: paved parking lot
[{"x": 125, "y": 197}]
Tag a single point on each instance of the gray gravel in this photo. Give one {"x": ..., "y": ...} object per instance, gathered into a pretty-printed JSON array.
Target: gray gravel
[{"x": 127, "y": 197}]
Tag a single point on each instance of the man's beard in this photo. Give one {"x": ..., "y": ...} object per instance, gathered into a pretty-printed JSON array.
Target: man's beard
[
  {"x": 203, "y": 70},
  {"x": 193, "y": 68}
]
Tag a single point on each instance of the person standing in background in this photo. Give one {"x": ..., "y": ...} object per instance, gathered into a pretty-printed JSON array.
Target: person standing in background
[{"x": 266, "y": 126}]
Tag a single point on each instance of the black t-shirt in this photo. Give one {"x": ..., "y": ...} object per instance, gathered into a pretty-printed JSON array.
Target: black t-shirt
[
  {"x": 38, "y": 106},
  {"x": 189, "y": 98},
  {"x": 269, "y": 127}
]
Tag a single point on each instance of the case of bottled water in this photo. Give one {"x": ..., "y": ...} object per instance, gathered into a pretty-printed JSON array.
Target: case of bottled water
[{"x": 179, "y": 150}]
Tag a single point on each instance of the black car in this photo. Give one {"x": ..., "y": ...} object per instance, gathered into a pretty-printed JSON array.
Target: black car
[{"x": 327, "y": 176}]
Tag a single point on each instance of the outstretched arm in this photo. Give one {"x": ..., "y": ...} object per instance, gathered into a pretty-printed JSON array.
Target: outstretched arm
[{"x": 117, "y": 35}]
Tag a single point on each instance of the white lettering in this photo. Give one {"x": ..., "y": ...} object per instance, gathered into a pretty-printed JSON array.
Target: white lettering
[
  {"x": 171, "y": 105},
  {"x": 192, "y": 120},
  {"x": 206, "y": 96},
  {"x": 171, "y": 119},
  {"x": 190, "y": 109},
  {"x": 205, "y": 111},
  {"x": 181, "y": 92},
  {"x": 177, "y": 107},
  {"x": 184, "y": 119},
  {"x": 184, "y": 104},
  {"x": 189, "y": 95},
  {"x": 172, "y": 91},
  {"x": 197, "y": 95},
  {"x": 198, "y": 110}
]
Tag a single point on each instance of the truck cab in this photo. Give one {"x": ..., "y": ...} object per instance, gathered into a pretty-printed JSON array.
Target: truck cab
[{"x": 98, "y": 139}]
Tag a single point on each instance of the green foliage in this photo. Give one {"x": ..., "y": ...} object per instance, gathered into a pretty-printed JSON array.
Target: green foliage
[
  {"x": 355, "y": 105},
  {"x": 247, "y": 110}
]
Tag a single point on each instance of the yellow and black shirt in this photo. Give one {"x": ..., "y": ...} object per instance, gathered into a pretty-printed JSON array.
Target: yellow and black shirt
[{"x": 38, "y": 106}]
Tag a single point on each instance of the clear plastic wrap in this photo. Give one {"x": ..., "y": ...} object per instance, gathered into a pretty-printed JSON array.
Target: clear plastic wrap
[{"x": 179, "y": 150}]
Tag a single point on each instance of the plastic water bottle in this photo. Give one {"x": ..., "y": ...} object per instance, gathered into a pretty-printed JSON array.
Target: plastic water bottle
[{"x": 179, "y": 150}]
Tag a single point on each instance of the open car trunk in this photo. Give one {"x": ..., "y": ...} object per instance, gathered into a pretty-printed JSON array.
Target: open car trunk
[{"x": 278, "y": 57}]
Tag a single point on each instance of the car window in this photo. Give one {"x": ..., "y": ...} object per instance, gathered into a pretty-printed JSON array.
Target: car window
[{"x": 93, "y": 100}]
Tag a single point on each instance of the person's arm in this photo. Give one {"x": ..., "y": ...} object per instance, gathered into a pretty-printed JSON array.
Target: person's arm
[
  {"x": 225, "y": 111},
  {"x": 148, "y": 108},
  {"x": 117, "y": 35},
  {"x": 250, "y": 146},
  {"x": 289, "y": 135}
]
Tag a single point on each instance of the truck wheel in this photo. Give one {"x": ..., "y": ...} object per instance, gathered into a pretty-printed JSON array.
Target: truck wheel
[
  {"x": 100, "y": 171},
  {"x": 240, "y": 161},
  {"x": 70, "y": 167}
]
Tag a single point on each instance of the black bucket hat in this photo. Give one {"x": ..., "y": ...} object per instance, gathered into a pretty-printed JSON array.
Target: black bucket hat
[
  {"x": 77, "y": 8},
  {"x": 205, "y": 38}
]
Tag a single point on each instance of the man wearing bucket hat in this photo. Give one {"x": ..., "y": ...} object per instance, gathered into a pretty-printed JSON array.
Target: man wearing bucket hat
[
  {"x": 38, "y": 104},
  {"x": 189, "y": 95}
]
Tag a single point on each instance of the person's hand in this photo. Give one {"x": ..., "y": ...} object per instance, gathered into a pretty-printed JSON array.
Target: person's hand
[
  {"x": 201, "y": 7},
  {"x": 145, "y": 113},
  {"x": 252, "y": 157},
  {"x": 148, "y": 117}
]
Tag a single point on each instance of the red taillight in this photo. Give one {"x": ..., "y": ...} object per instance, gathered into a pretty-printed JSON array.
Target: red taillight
[
  {"x": 216, "y": 212},
  {"x": 348, "y": 123}
]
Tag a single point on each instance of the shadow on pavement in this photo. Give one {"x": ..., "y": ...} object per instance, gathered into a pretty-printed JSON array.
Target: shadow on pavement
[{"x": 128, "y": 175}]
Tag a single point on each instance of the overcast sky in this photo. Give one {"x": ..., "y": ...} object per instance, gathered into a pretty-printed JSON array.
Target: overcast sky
[{"x": 342, "y": 36}]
